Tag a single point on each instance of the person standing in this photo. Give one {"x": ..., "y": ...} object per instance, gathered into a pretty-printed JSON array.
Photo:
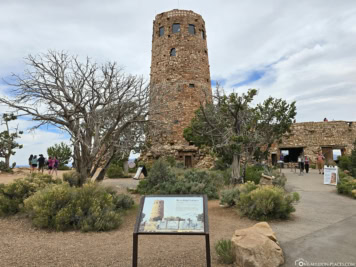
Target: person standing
[
  {"x": 30, "y": 160},
  {"x": 34, "y": 163},
  {"x": 50, "y": 165},
  {"x": 55, "y": 165},
  {"x": 320, "y": 162},
  {"x": 306, "y": 164},
  {"x": 41, "y": 163}
]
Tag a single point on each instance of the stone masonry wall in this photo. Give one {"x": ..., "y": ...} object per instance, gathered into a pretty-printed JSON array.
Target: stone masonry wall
[
  {"x": 179, "y": 83},
  {"x": 315, "y": 136}
]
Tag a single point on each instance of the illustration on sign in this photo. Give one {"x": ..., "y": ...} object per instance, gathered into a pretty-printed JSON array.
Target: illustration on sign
[
  {"x": 172, "y": 214},
  {"x": 331, "y": 175}
]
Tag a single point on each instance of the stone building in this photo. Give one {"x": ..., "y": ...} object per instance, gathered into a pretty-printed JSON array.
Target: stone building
[
  {"x": 180, "y": 82},
  {"x": 332, "y": 138}
]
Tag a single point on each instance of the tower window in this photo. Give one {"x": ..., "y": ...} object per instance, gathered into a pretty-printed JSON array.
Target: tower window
[
  {"x": 191, "y": 85},
  {"x": 191, "y": 29},
  {"x": 161, "y": 31},
  {"x": 203, "y": 34},
  {"x": 173, "y": 52},
  {"x": 176, "y": 27}
]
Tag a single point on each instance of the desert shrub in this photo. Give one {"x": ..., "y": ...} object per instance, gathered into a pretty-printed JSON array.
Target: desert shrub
[
  {"x": 225, "y": 251},
  {"x": 344, "y": 162},
  {"x": 171, "y": 161},
  {"x": 12, "y": 195},
  {"x": 279, "y": 180},
  {"x": 164, "y": 180},
  {"x": 115, "y": 171},
  {"x": 73, "y": 178},
  {"x": 247, "y": 187},
  {"x": 346, "y": 186},
  {"x": 4, "y": 167},
  {"x": 313, "y": 166},
  {"x": 229, "y": 196},
  {"x": 160, "y": 173},
  {"x": 253, "y": 173},
  {"x": 88, "y": 208},
  {"x": 267, "y": 202}
]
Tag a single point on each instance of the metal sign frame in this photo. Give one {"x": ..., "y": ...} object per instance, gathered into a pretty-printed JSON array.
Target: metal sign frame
[{"x": 136, "y": 232}]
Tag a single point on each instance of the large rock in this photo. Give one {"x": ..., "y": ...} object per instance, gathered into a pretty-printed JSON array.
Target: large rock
[{"x": 257, "y": 246}]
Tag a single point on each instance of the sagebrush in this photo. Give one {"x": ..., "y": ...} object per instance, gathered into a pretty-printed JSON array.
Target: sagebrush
[
  {"x": 12, "y": 195},
  {"x": 87, "y": 208}
]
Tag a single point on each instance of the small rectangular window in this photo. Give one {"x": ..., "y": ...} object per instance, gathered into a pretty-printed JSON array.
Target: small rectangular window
[
  {"x": 203, "y": 34},
  {"x": 176, "y": 28},
  {"x": 161, "y": 31},
  {"x": 191, "y": 29},
  {"x": 191, "y": 85}
]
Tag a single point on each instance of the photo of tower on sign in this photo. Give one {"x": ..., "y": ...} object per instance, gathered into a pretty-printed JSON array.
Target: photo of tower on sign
[{"x": 172, "y": 214}]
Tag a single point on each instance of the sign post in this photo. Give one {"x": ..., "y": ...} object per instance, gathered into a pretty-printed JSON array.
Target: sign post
[{"x": 172, "y": 215}]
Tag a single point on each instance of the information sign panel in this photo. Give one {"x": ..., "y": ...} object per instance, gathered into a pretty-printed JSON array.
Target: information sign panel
[
  {"x": 172, "y": 215},
  {"x": 331, "y": 175}
]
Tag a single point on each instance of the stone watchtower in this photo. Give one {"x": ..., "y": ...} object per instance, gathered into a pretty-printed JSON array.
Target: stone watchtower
[
  {"x": 157, "y": 213},
  {"x": 180, "y": 78}
]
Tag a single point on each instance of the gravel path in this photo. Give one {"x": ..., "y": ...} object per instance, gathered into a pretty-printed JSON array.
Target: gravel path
[{"x": 23, "y": 245}]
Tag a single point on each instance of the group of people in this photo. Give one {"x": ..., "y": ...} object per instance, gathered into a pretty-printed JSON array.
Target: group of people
[
  {"x": 41, "y": 162},
  {"x": 303, "y": 162}
]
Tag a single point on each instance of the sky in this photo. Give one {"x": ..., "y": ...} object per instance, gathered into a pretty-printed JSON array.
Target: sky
[{"x": 301, "y": 51}]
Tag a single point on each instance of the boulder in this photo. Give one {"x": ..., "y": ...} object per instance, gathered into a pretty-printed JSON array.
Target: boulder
[
  {"x": 266, "y": 180},
  {"x": 257, "y": 246}
]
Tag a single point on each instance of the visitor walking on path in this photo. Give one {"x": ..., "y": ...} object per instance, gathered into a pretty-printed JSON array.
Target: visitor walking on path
[
  {"x": 306, "y": 164},
  {"x": 320, "y": 162},
  {"x": 41, "y": 163},
  {"x": 301, "y": 164},
  {"x": 33, "y": 164}
]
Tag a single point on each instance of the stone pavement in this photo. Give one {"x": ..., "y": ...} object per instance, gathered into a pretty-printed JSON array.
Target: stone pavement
[{"x": 323, "y": 228}]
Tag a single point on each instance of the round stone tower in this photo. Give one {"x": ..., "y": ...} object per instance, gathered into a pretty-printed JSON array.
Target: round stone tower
[
  {"x": 157, "y": 213},
  {"x": 180, "y": 81}
]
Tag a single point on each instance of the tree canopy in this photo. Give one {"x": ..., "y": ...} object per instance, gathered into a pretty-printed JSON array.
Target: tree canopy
[
  {"x": 103, "y": 109},
  {"x": 7, "y": 139},
  {"x": 233, "y": 128}
]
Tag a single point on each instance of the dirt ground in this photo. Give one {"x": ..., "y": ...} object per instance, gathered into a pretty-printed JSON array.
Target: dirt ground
[{"x": 23, "y": 245}]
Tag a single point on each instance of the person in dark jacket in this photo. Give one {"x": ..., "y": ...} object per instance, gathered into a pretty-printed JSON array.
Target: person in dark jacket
[{"x": 41, "y": 163}]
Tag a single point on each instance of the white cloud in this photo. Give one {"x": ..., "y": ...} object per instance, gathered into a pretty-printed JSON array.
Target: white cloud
[{"x": 306, "y": 48}]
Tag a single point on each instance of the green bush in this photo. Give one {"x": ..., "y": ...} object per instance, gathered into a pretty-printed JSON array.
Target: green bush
[
  {"x": 279, "y": 180},
  {"x": 115, "y": 171},
  {"x": 225, "y": 251},
  {"x": 4, "y": 167},
  {"x": 163, "y": 180},
  {"x": 88, "y": 208},
  {"x": 253, "y": 173},
  {"x": 12, "y": 195},
  {"x": 230, "y": 196},
  {"x": 73, "y": 178},
  {"x": 267, "y": 202},
  {"x": 346, "y": 186},
  {"x": 313, "y": 166},
  {"x": 344, "y": 162}
]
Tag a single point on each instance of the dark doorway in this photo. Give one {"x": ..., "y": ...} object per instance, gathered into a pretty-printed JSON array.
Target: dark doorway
[
  {"x": 274, "y": 159},
  {"x": 293, "y": 154},
  {"x": 188, "y": 161}
]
